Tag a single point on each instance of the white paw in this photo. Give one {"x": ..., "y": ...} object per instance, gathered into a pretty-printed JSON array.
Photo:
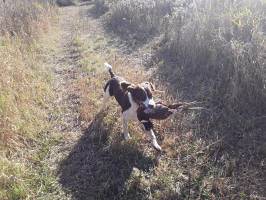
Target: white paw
[{"x": 156, "y": 146}]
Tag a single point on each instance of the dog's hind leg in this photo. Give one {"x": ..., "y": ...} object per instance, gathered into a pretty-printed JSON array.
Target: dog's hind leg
[
  {"x": 153, "y": 140},
  {"x": 106, "y": 96}
]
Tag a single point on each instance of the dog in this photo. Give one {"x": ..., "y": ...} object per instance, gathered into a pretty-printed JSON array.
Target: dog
[{"x": 130, "y": 97}]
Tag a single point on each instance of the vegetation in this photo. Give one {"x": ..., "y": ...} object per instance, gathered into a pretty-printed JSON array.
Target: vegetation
[
  {"x": 25, "y": 98},
  {"x": 206, "y": 50},
  {"x": 65, "y": 2}
]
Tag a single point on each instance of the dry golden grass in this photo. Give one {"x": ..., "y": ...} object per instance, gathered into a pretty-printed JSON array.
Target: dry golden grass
[
  {"x": 25, "y": 96},
  {"x": 24, "y": 18},
  {"x": 23, "y": 82},
  {"x": 196, "y": 163}
]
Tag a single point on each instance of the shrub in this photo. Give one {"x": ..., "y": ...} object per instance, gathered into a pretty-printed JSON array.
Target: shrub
[
  {"x": 139, "y": 18},
  {"x": 65, "y": 2}
]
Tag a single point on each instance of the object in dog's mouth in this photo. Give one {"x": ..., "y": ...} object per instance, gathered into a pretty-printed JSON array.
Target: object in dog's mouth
[
  {"x": 162, "y": 111},
  {"x": 159, "y": 112}
]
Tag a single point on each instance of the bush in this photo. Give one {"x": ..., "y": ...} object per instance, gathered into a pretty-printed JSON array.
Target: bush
[
  {"x": 139, "y": 18},
  {"x": 65, "y": 2}
]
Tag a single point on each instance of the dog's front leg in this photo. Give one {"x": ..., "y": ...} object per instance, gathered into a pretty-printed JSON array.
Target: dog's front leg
[
  {"x": 125, "y": 127},
  {"x": 148, "y": 129}
]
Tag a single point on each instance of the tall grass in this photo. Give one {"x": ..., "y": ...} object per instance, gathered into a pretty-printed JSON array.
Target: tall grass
[
  {"x": 139, "y": 19},
  {"x": 25, "y": 93},
  {"x": 24, "y": 18},
  {"x": 214, "y": 52}
]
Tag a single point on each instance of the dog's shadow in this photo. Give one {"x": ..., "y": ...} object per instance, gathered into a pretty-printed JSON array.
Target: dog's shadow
[{"x": 98, "y": 169}]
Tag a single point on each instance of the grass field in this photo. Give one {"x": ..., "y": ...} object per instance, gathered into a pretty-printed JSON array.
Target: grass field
[{"x": 54, "y": 142}]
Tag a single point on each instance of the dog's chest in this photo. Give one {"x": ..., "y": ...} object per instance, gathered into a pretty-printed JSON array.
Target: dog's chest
[{"x": 131, "y": 113}]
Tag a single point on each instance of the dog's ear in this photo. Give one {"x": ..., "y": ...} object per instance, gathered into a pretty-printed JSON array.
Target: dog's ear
[
  {"x": 152, "y": 86},
  {"x": 125, "y": 85},
  {"x": 131, "y": 88}
]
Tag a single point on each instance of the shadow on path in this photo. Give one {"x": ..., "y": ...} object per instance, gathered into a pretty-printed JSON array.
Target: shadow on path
[{"x": 96, "y": 169}]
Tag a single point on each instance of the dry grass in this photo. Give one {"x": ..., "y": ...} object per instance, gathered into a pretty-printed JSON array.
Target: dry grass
[
  {"x": 138, "y": 20},
  {"x": 25, "y": 97},
  {"x": 24, "y": 18},
  {"x": 216, "y": 55},
  {"x": 63, "y": 3},
  {"x": 101, "y": 6}
]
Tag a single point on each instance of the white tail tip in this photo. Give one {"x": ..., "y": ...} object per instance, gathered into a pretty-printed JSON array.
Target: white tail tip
[{"x": 107, "y": 66}]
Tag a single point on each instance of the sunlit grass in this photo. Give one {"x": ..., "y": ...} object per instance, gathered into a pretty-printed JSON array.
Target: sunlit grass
[{"x": 25, "y": 98}]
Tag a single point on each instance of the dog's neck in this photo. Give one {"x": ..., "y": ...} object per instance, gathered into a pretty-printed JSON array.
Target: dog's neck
[
  {"x": 134, "y": 105},
  {"x": 125, "y": 99}
]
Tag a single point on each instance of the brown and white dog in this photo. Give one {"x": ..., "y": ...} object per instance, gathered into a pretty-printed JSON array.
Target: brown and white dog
[{"x": 130, "y": 97}]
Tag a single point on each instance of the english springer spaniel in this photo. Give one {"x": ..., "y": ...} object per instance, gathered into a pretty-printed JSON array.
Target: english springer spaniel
[{"x": 130, "y": 97}]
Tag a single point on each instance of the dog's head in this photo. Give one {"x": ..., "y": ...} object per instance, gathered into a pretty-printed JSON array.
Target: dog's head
[{"x": 142, "y": 93}]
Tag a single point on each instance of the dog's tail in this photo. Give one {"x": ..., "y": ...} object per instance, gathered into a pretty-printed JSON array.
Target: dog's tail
[{"x": 109, "y": 68}]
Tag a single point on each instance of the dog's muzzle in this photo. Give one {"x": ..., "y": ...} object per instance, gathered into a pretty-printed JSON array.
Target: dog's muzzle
[{"x": 149, "y": 103}]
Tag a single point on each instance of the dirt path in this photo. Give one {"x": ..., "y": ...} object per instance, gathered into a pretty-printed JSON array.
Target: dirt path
[
  {"x": 65, "y": 61},
  {"x": 86, "y": 168},
  {"x": 66, "y": 73}
]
